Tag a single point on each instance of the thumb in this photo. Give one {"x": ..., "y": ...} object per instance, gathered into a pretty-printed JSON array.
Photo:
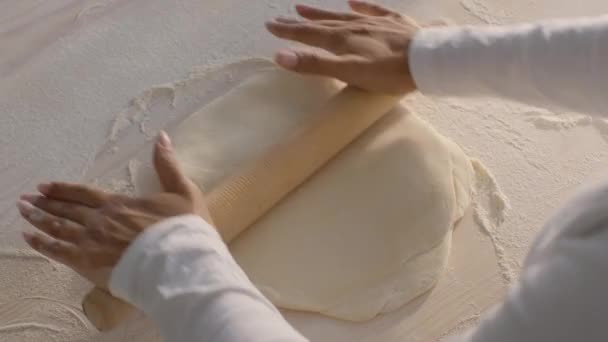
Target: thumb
[
  {"x": 169, "y": 173},
  {"x": 309, "y": 62}
]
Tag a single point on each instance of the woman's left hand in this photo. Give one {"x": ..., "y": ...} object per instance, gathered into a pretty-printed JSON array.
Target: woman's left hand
[{"x": 89, "y": 230}]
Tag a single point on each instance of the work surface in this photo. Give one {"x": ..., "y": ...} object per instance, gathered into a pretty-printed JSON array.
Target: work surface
[{"x": 69, "y": 68}]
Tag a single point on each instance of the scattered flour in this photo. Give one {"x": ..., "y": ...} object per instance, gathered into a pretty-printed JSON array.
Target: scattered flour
[
  {"x": 480, "y": 10},
  {"x": 16, "y": 327},
  {"x": 554, "y": 122},
  {"x": 90, "y": 11},
  {"x": 121, "y": 186},
  {"x": 461, "y": 327},
  {"x": 489, "y": 208},
  {"x": 21, "y": 254},
  {"x": 132, "y": 168}
]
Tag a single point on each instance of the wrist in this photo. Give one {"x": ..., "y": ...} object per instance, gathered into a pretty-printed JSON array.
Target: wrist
[
  {"x": 410, "y": 51},
  {"x": 409, "y": 78}
]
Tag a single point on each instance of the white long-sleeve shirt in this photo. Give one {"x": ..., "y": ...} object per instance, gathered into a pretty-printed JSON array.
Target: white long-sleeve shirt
[
  {"x": 180, "y": 273},
  {"x": 556, "y": 64}
]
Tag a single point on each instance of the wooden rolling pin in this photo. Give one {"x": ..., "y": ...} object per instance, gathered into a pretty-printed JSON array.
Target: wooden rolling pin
[{"x": 243, "y": 198}]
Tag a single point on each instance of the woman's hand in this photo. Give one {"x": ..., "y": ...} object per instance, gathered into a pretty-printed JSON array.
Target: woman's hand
[
  {"x": 89, "y": 230},
  {"x": 367, "y": 48}
]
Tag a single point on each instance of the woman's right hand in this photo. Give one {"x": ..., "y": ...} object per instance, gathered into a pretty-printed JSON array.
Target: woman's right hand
[{"x": 367, "y": 48}]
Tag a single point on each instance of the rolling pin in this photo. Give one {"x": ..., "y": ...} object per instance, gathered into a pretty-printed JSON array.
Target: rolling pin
[{"x": 241, "y": 199}]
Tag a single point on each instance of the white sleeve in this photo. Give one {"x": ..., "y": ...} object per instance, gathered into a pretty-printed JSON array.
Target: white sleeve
[
  {"x": 560, "y": 64},
  {"x": 181, "y": 274},
  {"x": 561, "y": 295}
]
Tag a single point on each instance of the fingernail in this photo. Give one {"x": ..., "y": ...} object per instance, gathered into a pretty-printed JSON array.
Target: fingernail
[
  {"x": 164, "y": 140},
  {"x": 287, "y": 59},
  {"x": 30, "y": 212},
  {"x": 25, "y": 208},
  {"x": 44, "y": 188}
]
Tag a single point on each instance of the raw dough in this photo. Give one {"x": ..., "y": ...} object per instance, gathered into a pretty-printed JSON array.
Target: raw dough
[
  {"x": 368, "y": 233},
  {"x": 246, "y": 122}
]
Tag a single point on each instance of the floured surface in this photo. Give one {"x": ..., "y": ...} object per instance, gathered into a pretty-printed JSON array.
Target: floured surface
[{"x": 59, "y": 101}]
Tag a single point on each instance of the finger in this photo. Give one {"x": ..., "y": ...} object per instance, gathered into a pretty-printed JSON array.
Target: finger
[
  {"x": 287, "y": 20},
  {"x": 307, "y": 33},
  {"x": 329, "y": 23},
  {"x": 167, "y": 168},
  {"x": 53, "y": 226},
  {"x": 309, "y": 62},
  {"x": 61, "y": 251},
  {"x": 65, "y": 210},
  {"x": 369, "y": 8},
  {"x": 313, "y": 13},
  {"x": 76, "y": 193}
]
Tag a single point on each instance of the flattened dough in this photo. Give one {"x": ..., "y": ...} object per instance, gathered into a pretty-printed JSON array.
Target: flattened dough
[{"x": 368, "y": 233}]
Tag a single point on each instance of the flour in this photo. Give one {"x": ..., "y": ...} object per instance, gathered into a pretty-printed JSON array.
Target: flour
[
  {"x": 461, "y": 328},
  {"x": 569, "y": 121},
  {"x": 556, "y": 123},
  {"x": 90, "y": 11},
  {"x": 22, "y": 254},
  {"x": 489, "y": 208},
  {"x": 18, "y": 327},
  {"x": 480, "y": 10}
]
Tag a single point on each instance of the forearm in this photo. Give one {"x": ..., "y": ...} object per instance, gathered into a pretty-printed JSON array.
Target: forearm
[
  {"x": 561, "y": 293},
  {"x": 181, "y": 274},
  {"x": 561, "y": 64}
]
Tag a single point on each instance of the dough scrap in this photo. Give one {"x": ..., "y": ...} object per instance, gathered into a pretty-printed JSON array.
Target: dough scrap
[{"x": 368, "y": 233}]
